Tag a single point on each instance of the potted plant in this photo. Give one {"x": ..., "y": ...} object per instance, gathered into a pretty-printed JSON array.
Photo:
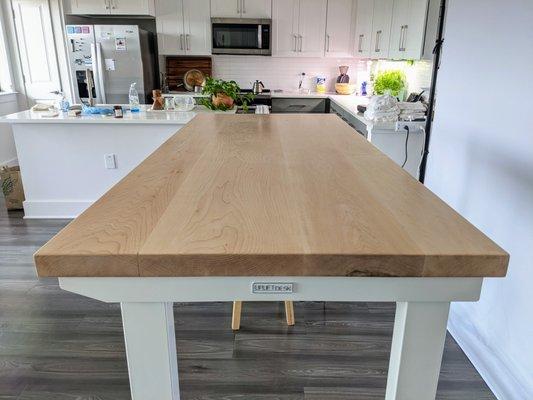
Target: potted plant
[
  {"x": 223, "y": 94},
  {"x": 392, "y": 81}
]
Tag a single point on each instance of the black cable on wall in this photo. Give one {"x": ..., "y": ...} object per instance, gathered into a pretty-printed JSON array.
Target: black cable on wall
[{"x": 437, "y": 50}]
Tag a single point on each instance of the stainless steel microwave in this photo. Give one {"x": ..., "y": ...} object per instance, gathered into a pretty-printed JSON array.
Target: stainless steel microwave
[{"x": 242, "y": 36}]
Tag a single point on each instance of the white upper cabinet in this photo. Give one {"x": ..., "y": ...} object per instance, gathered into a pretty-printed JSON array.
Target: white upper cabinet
[
  {"x": 299, "y": 28},
  {"x": 285, "y": 27},
  {"x": 226, "y": 8},
  {"x": 132, "y": 7},
  {"x": 169, "y": 25},
  {"x": 312, "y": 27},
  {"x": 340, "y": 28},
  {"x": 363, "y": 28},
  {"x": 381, "y": 28},
  {"x": 241, "y": 8},
  {"x": 112, "y": 7},
  {"x": 197, "y": 27},
  {"x": 408, "y": 26},
  {"x": 183, "y": 27},
  {"x": 256, "y": 8},
  {"x": 90, "y": 7}
]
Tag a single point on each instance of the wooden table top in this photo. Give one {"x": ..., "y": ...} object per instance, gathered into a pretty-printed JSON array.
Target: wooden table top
[{"x": 270, "y": 195}]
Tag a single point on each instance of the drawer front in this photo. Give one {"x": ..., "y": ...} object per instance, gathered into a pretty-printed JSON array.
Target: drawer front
[{"x": 297, "y": 106}]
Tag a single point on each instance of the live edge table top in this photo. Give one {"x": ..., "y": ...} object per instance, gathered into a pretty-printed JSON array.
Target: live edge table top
[{"x": 269, "y": 195}]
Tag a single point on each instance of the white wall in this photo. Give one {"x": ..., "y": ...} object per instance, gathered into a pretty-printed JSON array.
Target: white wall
[{"x": 481, "y": 163}]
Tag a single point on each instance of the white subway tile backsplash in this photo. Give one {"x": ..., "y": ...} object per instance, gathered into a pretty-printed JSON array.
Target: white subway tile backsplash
[{"x": 284, "y": 73}]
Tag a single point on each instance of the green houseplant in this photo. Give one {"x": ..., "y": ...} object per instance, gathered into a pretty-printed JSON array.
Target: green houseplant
[
  {"x": 223, "y": 95},
  {"x": 393, "y": 81}
]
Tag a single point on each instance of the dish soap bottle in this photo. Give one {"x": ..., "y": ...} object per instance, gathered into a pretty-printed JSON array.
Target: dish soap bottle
[{"x": 134, "y": 98}]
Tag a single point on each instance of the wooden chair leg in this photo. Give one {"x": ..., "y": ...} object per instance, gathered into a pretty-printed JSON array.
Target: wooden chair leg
[
  {"x": 289, "y": 312},
  {"x": 236, "y": 317}
]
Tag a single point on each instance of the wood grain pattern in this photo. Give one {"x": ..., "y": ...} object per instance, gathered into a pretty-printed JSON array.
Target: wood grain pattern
[
  {"x": 56, "y": 345},
  {"x": 291, "y": 195},
  {"x": 177, "y": 66}
]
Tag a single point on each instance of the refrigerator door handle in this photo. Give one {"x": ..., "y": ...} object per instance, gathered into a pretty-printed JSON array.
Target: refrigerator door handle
[
  {"x": 100, "y": 73},
  {"x": 94, "y": 67}
]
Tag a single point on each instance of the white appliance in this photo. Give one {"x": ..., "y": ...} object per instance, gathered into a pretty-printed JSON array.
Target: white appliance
[{"x": 117, "y": 55}]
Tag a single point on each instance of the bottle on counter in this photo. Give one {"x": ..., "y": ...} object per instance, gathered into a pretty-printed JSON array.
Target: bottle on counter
[
  {"x": 321, "y": 84},
  {"x": 118, "y": 112},
  {"x": 134, "y": 98}
]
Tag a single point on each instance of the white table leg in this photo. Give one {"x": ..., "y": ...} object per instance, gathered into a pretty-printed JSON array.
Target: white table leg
[
  {"x": 416, "y": 353},
  {"x": 151, "y": 350}
]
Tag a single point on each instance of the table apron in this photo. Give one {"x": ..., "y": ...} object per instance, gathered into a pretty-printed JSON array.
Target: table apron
[{"x": 206, "y": 289}]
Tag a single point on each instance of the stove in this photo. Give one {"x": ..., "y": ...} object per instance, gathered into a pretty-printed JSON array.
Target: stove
[{"x": 263, "y": 98}]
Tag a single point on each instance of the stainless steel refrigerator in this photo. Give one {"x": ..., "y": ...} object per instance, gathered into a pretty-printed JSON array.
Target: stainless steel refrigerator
[{"x": 117, "y": 55}]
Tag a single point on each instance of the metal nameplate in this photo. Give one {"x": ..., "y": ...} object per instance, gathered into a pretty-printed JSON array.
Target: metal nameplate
[{"x": 272, "y": 287}]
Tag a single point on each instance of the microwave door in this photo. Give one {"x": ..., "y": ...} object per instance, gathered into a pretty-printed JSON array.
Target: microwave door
[{"x": 239, "y": 37}]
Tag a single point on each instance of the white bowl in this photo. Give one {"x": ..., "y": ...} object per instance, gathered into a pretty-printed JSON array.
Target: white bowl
[{"x": 184, "y": 103}]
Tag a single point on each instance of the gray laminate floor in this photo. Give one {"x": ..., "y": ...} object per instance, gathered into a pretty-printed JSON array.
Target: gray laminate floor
[{"x": 57, "y": 345}]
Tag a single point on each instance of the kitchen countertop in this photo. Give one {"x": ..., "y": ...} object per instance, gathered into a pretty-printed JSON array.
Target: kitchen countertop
[
  {"x": 253, "y": 195},
  {"x": 142, "y": 117}
]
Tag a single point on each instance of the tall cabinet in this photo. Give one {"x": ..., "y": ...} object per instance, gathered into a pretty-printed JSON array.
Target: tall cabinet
[
  {"x": 183, "y": 27},
  {"x": 408, "y": 26},
  {"x": 299, "y": 28},
  {"x": 340, "y": 28}
]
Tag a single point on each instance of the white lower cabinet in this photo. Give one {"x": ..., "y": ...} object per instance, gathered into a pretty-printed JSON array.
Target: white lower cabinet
[
  {"x": 340, "y": 28},
  {"x": 408, "y": 27},
  {"x": 381, "y": 28},
  {"x": 363, "y": 28},
  {"x": 299, "y": 28},
  {"x": 183, "y": 27}
]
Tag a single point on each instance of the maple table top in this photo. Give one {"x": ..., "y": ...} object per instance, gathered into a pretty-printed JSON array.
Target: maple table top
[{"x": 269, "y": 195}]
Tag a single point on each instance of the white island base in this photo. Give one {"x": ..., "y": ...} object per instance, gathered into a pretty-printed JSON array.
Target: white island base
[{"x": 63, "y": 159}]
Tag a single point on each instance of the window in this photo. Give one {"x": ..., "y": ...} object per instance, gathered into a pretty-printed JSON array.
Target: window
[{"x": 5, "y": 76}]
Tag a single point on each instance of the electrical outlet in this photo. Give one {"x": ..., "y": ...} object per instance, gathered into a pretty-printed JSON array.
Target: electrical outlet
[
  {"x": 110, "y": 161},
  {"x": 412, "y": 125}
]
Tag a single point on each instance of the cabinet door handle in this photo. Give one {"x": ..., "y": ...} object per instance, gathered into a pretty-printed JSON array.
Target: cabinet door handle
[
  {"x": 295, "y": 42},
  {"x": 106, "y": 4},
  {"x": 327, "y": 43},
  {"x": 181, "y": 41},
  {"x": 378, "y": 39},
  {"x": 238, "y": 6},
  {"x": 401, "y": 39},
  {"x": 113, "y": 4},
  {"x": 188, "y": 41},
  {"x": 404, "y": 37},
  {"x": 301, "y": 40},
  {"x": 360, "y": 47},
  {"x": 243, "y": 6}
]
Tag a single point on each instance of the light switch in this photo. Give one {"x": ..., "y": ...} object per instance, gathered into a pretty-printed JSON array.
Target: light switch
[{"x": 110, "y": 161}]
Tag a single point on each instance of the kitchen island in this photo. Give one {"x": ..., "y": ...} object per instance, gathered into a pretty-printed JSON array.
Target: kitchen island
[
  {"x": 69, "y": 162},
  {"x": 266, "y": 208}
]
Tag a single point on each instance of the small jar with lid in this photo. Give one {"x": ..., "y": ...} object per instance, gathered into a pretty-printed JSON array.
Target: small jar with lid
[{"x": 118, "y": 112}]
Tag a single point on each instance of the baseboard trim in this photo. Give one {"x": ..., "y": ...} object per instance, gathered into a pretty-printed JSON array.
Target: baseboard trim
[
  {"x": 54, "y": 209},
  {"x": 494, "y": 371}
]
